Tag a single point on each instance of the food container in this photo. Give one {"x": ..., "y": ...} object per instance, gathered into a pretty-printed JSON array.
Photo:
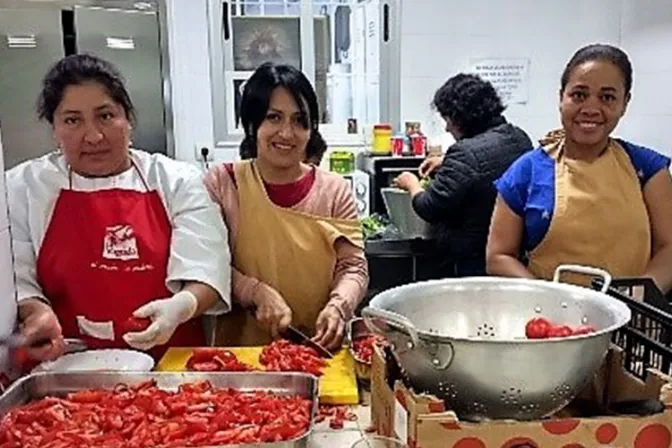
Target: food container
[
  {"x": 112, "y": 359},
  {"x": 382, "y": 133},
  {"x": 398, "y": 144},
  {"x": 419, "y": 145},
  {"x": 399, "y": 205},
  {"x": 463, "y": 340},
  {"x": 38, "y": 385},
  {"x": 342, "y": 162}
]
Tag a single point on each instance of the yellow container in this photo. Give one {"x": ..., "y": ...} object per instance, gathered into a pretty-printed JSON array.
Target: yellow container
[{"x": 382, "y": 135}]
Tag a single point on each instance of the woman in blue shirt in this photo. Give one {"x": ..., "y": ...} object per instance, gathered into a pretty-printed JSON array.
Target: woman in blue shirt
[{"x": 584, "y": 197}]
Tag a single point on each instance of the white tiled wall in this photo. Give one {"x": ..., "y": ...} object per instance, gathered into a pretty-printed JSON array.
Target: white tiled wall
[
  {"x": 439, "y": 37},
  {"x": 647, "y": 37},
  {"x": 190, "y": 76}
]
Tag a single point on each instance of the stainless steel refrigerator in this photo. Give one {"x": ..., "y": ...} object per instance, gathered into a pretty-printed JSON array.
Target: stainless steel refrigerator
[{"x": 34, "y": 35}]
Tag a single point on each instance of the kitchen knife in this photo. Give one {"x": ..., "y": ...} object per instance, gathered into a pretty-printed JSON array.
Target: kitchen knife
[
  {"x": 296, "y": 336},
  {"x": 293, "y": 334},
  {"x": 16, "y": 340}
]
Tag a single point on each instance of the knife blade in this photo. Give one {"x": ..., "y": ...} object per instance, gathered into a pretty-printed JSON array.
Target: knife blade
[
  {"x": 13, "y": 340},
  {"x": 295, "y": 335},
  {"x": 16, "y": 340}
]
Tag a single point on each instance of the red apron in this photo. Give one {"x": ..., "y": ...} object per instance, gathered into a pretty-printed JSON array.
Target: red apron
[{"x": 105, "y": 253}]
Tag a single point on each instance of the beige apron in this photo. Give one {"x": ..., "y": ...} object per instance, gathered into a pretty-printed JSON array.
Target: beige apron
[
  {"x": 293, "y": 252},
  {"x": 600, "y": 218}
]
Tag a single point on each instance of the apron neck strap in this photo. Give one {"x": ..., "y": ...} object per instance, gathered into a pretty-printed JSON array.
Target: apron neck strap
[{"x": 133, "y": 165}]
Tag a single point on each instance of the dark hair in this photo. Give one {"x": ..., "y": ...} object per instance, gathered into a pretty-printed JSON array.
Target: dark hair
[
  {"x": 600, "y": 52},
  {"x": 469, "y": 102},
  {"x": 78, "y": 69},
  {"x": 257, "y": 96}
]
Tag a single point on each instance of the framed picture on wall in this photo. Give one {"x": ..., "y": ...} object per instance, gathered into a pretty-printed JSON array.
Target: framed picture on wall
[{"x": 265, "y": 39}]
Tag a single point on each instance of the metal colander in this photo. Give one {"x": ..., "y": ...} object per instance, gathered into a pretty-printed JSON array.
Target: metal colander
[
  {"x": 463, "y": 340},
  {"x": 399, "y": 205}
]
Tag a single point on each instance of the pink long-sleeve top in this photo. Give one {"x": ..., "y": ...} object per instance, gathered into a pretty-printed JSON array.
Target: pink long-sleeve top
[{"x": 317, "y": 193}]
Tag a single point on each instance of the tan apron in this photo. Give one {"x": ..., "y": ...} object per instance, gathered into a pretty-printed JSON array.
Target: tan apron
[
  {"x": 600, "y": 218},
  {"x": 293, "y": 252}
]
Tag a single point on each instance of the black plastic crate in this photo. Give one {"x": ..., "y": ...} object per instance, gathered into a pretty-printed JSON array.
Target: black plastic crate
[{"x": 647, "y": 339}]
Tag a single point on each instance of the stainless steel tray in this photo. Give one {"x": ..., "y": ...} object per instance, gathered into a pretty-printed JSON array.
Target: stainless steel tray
[{"x": 39, "y": 385}]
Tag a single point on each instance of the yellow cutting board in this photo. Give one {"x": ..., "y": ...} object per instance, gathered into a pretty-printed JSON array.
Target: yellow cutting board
[{"x": 338, "y": 385}]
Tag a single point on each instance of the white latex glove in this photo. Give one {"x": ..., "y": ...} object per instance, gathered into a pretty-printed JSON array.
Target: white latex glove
[{"x": 166, "y": 316}]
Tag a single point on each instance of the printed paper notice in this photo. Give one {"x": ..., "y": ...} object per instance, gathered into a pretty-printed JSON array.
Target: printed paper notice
[{"x": 509, "y": 76}]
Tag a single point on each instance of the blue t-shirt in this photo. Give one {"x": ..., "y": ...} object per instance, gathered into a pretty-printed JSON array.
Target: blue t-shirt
[{"x": 528, "y": 186}]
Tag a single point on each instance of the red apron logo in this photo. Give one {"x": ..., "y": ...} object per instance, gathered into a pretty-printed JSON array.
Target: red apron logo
[{"x": 120, "y": 243}]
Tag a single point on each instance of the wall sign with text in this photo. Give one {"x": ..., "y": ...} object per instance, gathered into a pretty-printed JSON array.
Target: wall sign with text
[{"x": 508, "y": 75}]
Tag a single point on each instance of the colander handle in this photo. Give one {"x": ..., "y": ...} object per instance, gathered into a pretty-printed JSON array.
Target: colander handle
[
  {"x": 392, "y": 319},
  {"x": 586, "y": 270}
]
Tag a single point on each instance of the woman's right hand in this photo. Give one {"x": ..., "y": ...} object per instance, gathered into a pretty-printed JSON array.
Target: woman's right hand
[
  {"x": 272, "y": 312},
  {"x": 40, "y": 326},
  {"x": 429, "y": 165}
]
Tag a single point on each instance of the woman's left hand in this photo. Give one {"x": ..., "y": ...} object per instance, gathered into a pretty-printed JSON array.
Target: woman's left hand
[
  {"x": 407, "y": 181},
  {"x": 330, "y": 328}
]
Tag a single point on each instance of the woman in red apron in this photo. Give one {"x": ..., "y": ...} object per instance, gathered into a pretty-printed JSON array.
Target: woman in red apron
[
  {"x": 584, "y": 197},
  {"x": 102, "y": 233}
]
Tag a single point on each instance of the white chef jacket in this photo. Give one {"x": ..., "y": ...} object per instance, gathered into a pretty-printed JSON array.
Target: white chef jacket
[
  {"x": 199, "y": 248},
  {"x": 8, "y": 308}
]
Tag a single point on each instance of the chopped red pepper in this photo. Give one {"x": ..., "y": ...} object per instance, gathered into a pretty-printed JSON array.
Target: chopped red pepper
[
  {"x": 336, "y": 415},
  {"x": 216, "y": 360},
  {"x": 363, "y": 346},
  {"x": 283, "y": 356},
  {"x": 142, "y": 416}
]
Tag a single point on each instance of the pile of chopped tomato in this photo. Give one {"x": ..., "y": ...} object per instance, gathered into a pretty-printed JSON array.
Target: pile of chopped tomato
[
  {"x": 279, "y": 356},
  {"x": 283, "y": 356},
  {"x": 145, "y": 416},
  {"x": 216, "y": 360},
  {"x": 363, "y": 347},
  {"x": 336, "y": 415},
  {"x": 542, "y": 328}
]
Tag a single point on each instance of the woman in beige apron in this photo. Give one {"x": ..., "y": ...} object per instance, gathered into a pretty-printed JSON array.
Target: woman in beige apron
[
  {"x": 298, "y": 253},
  {"x": 584, "y": 197}
]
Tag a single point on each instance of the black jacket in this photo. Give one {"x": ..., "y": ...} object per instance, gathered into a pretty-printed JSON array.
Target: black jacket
[{"x": 460, "y": 199}]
